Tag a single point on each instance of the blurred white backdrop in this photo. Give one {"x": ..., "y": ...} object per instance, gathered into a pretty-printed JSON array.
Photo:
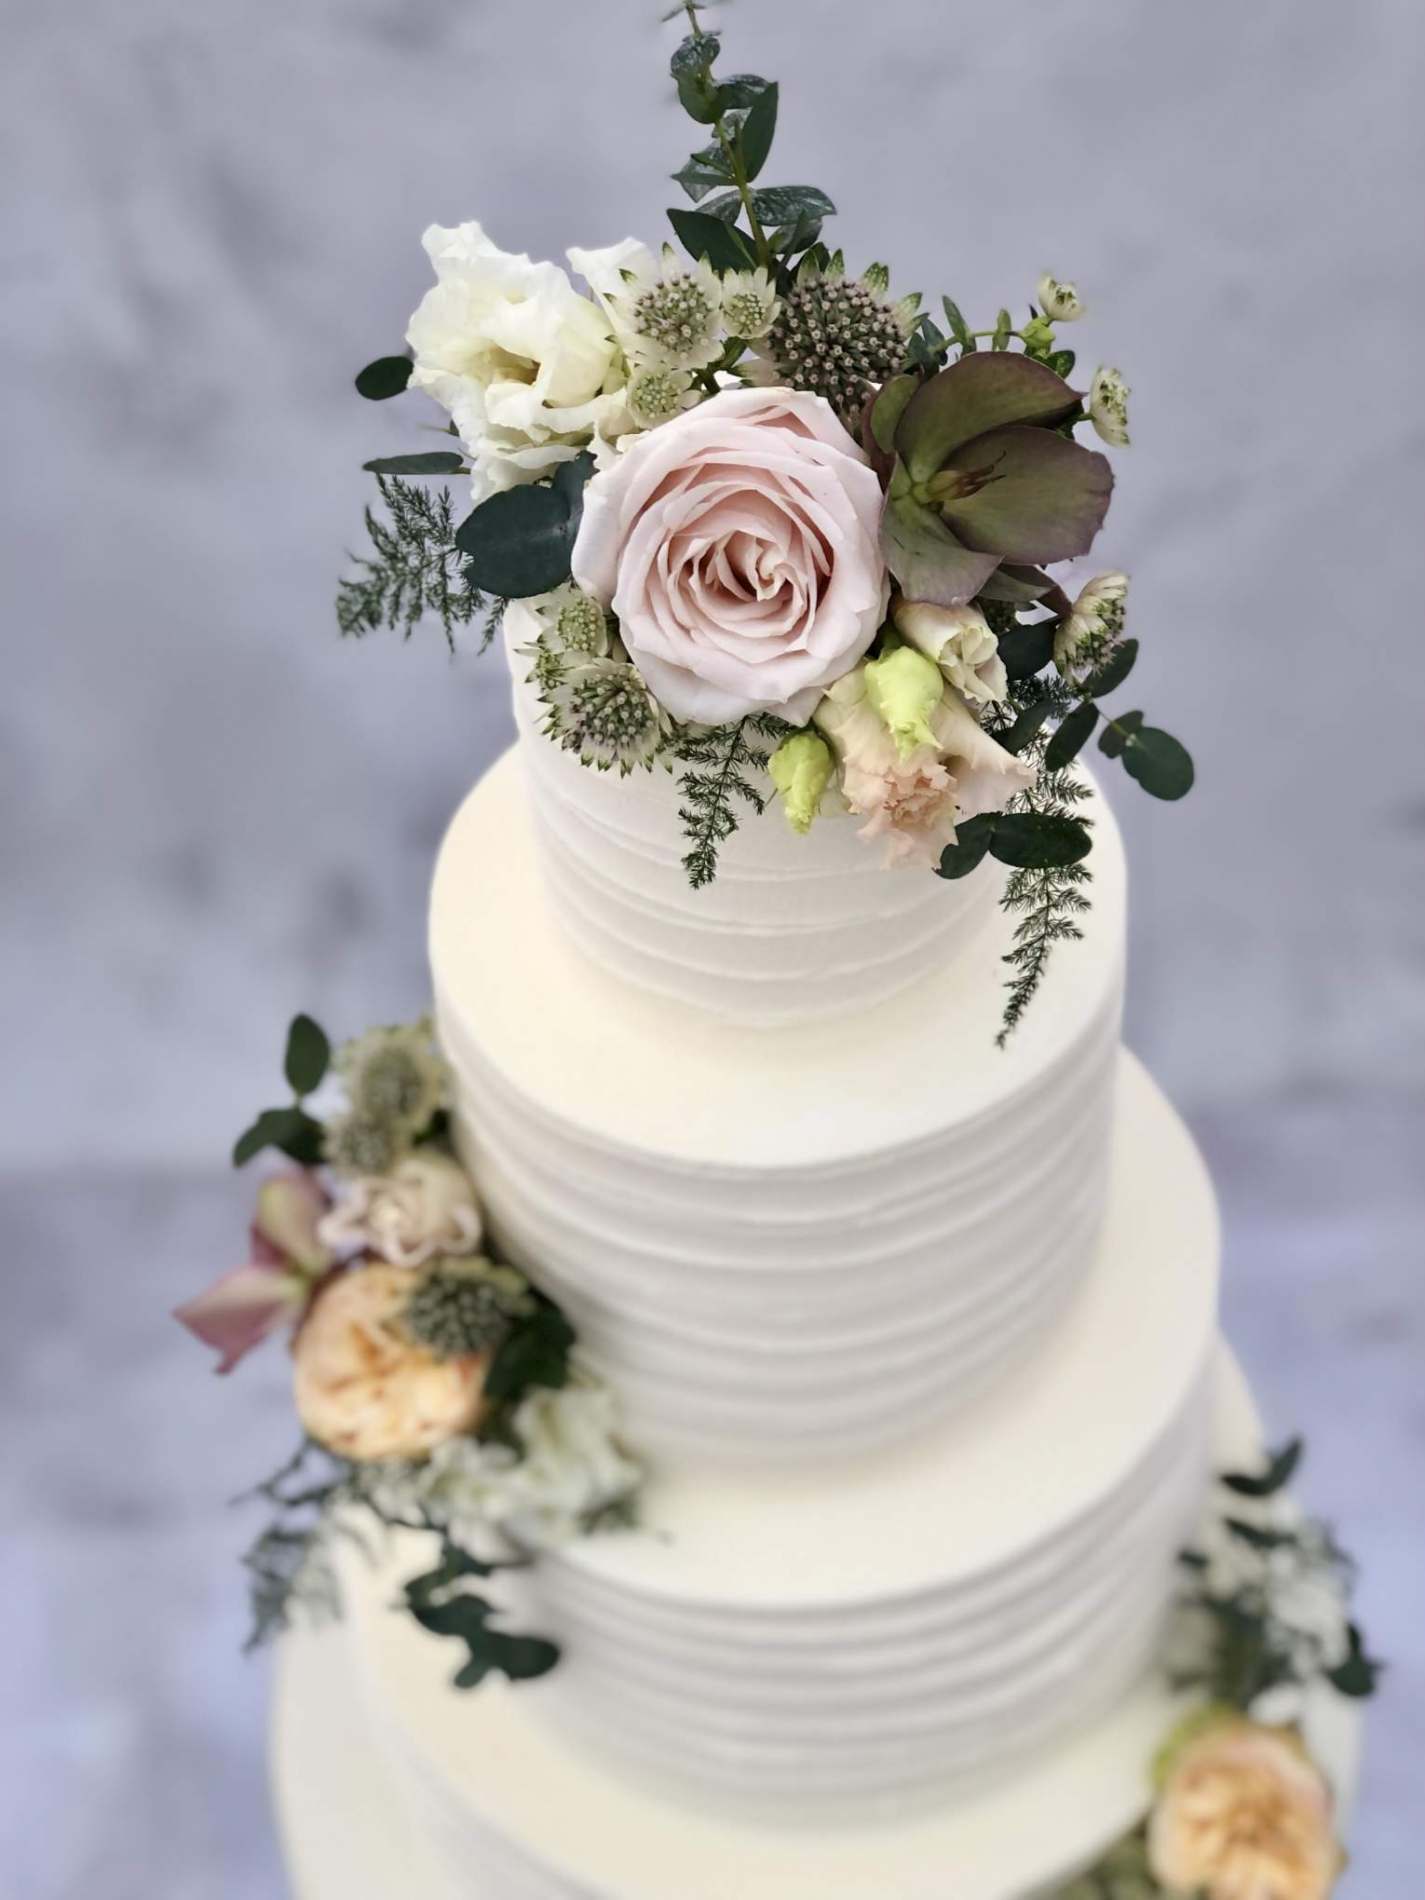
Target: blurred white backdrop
[{"x": 216, "y": 812}]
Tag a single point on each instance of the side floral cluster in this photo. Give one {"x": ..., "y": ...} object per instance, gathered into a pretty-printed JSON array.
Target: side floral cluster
[
  {"x": 434, "y": 1384},
  {"x": 1241, "y": 1809}
]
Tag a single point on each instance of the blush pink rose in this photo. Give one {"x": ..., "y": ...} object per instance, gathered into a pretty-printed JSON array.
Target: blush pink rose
[{"x": 739, "y": 546}]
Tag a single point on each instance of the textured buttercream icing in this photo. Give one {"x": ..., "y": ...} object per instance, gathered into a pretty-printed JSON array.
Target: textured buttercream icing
[
  {"x": 792, "y": 928},
  {"x": 775, "y": 1244}
]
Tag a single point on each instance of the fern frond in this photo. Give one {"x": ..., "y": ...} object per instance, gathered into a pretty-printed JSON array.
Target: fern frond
[{"x": 414, "y": 570}]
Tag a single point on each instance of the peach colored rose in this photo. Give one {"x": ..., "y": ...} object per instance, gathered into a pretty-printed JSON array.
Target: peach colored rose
[
  {"x": 739, "y": 546},
  {"x": 1244, "y": 1815},
  {"x": 364, "y": 1388}
]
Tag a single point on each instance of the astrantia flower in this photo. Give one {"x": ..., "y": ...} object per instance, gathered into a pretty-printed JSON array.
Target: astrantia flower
[
  {"x": 1108, "y": 407},
  {"x": 961, "y": 643},
  {"x": 465, "y": 1305},
  {"x": 602, "y": 710},
  {"x": 835, "y": 336},
  {"x": 1059, "y": 302},
  {"x": 1244, "y": 1814},
  {"x": 573, "y": 622},
  {"x": 1093, "y": 625},
  {"x": 363, "y": 1144},
  {"x": 667, "y": 312},
  {"x": 749, "y": 304},
  {"x": 529, "y": 371},
  {"x": 658, "y": 393},
  {"x": 365, "y": 1387},
  {"x": 425, "y": 1206},
  {"x": 394, "y": 1076}
]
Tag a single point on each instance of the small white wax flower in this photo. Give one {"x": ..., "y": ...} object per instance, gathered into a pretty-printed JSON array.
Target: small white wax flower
[
  {"x": 749, "y": 304},
  {"x": 1108, "y": 407},
  {"x": 1093, "y": 625},
  {"x": 1060, "y": 302}
]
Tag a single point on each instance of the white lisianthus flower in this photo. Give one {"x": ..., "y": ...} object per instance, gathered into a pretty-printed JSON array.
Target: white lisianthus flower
[
  {"x": 1093, "y": 624},
  {"x": 961, "y": 643},
  {"x": 1059, "y": 302},
  {"x": 572, "y": 1467},
  {"x": 749, "y": 304},
  {"x": 1108, "y": 407},
  {"x": 529, "y": 371},
  {"x": 667, "y": 311},
  {"x": 425, "y": 1206}
]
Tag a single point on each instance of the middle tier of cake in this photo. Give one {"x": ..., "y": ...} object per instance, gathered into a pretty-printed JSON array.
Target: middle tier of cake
[{"x": 776, "y": 1244}]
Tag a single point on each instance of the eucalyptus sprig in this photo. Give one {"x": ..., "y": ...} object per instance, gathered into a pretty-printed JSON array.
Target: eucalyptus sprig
[{"x": 289, "y": 1128}]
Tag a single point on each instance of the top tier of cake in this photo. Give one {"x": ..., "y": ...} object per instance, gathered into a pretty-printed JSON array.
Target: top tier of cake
[{"x": 792, "y": 929}]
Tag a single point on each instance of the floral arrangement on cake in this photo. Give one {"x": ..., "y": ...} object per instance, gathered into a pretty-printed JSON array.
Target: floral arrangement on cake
[
  {"x": 784, "y": 533},
  {"x": 434, "y": 1385},
  {"x": 1241, "y": 1810}
]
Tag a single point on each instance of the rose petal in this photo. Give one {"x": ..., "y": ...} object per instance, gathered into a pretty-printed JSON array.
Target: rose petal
[{"x": 238, "y": 1311}]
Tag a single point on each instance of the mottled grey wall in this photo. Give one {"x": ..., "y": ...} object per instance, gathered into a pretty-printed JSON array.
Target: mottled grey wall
[{"x": 215, "y": 812}]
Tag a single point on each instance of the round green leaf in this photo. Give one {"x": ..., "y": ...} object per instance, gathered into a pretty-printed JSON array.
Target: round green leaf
[
  {"x": 972, "y": 841},
  {"x": 1038, "y": 841},
  {"x": 387, "y": 376},
  {"x": 1027, "y": 650},
  {"x": 1074, "y": 733},
  {"x": 1159, "y": 764},
  {"x": 1117, "y": 732},
  {"x": 1113, "y": 672},
  {"x": 520, "y": 541},
  {"x": 432, "y": 462}
]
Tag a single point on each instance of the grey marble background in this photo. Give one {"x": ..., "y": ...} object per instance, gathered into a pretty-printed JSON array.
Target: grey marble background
[{"x": 213, "y": 812}]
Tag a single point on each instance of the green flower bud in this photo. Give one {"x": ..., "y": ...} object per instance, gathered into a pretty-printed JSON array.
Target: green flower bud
[
  {"x": 801, "y": 770},
  {"x": 905, "y": 687}
]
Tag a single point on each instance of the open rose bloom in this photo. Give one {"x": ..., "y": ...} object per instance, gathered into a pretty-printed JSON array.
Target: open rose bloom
[
  {"x": 1245, "y": 1815},
  {"x": 739, "y": 547}
]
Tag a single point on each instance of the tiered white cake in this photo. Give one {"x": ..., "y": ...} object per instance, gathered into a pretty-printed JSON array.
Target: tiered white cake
[{"x": 917, "y": 1334}]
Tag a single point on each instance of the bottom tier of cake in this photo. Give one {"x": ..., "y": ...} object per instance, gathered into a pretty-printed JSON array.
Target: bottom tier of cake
[{"x": 476, "y": 1798}]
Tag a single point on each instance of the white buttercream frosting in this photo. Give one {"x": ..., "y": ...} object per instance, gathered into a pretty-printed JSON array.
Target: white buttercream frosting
[
  {"x": 792, "y": 929},
  {"x": 775, "y": 1244}
]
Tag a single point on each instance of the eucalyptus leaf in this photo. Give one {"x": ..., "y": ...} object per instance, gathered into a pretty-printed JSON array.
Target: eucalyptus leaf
[
  {"x": 1004, "y": 329},
  {"x": 972, "y": 841},
  {"x": 307, "y": 1056},
  {"x": 754, "y": 141},
  {"x": 1114, "y": 670},
  {"x": 1026, "y": 726},
  {"x": 887, "y": 409},
  {"x": 1159, "y": 763},
  {"x": 1074, "y": 732},
  {"x": 386, "y": 377},
  {"x": 535, "y": 1351},
  {"x": 520, "y": 540},
  {"x": 959, "y": 329},
  {"x": 705, "y": 171},
  {"x": 432, "y": 462},
  {"x": 780, "y": 204},
  {"x": 741, "y": 90},
  {"x": 691, "y": 67},
  {"x": 1027, "y": 650},
  {"x": 1358, "y": 1676},
  {"x": 703, "y": 234},
  {"x": 1039, "y": 840},
  {"x": 1117, "y": 733}
]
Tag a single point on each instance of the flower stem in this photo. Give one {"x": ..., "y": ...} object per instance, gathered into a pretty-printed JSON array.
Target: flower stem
[{"x": 734, "y": 159}]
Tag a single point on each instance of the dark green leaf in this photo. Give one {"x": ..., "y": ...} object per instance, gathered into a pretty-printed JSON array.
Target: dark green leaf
[
  {"x": 1280, "y": 1470},
  {"x": 1075, "y": 731},
  {"x": 1117, "y": 733},
  {"x": 433, "y": 462},
  {"x": 788, "y": 239},
  {"x": 972, "y": 841},
  {"x": 1258, "y": 1536},
  {"x": 307, "y": 1056},
  {"x": 1038, "y": 840},
  {"x": 535, "y": 1351},
  {"x": 520, "y": 540},
  {"x": 742, "y": 90},
  {"x": 703, "y": 234},
  {"x": 1110, "y": 675},
  {"x": 887, "y": 409},
  {"x": 705, "y": 171},
  {"x": 1027, "y": 650},
  {"x": 781, "y": 204},
  {"x": 440, "y": 1604},
  {"x": 387, "y": 376},
  {"x": 1026, "y": 725},
  {"x": 755, "y": 138},
  {"x": 1358, "y": 1676},
  {"x": 290, "y": 1130},
  {"x": 1061, "y": 361},
  {"x": 691, "y": 67},
  {"x": 1159, "y": 764}
]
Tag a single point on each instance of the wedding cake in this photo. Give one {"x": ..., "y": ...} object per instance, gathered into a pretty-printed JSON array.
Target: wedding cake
[{"x": 761, "y": 1329}]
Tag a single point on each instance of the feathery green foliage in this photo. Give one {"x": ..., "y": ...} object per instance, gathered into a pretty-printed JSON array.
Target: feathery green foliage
[
  {"x": 415, "y": 569},
  {"x": 720, "y": 760}
]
